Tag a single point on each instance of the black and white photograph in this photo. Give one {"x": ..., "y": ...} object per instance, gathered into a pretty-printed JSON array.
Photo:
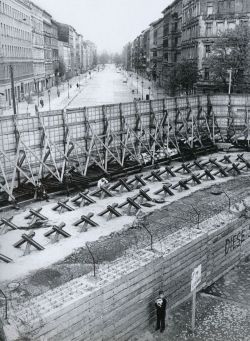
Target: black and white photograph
[{"x": 125, "y": 170}]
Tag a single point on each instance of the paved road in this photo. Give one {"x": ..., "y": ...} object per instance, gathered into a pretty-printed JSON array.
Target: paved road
[{"x": 104, "y": 87}]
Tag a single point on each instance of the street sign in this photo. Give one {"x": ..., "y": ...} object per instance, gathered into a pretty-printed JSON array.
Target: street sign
[{"x": 196, "y": 278}]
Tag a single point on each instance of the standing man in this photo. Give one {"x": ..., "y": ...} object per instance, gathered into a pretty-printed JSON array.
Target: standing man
[
  {"x": 160, "y": 304},
  {"x": 42, "y": 102}
]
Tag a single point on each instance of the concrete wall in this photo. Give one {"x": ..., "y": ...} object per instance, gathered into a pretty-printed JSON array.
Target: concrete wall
[
  {"x": 2, "y": 336},
  {"x": 126, "y": 306}
]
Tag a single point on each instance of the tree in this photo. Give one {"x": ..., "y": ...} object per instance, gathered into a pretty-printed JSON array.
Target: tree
[
  {"x": 104, "y": 58},
  {"x": 95, "y": 62},
  {"x": 183, "y": 76},
  {"x": 61, "y": 67},
  {"x": 117, "y": 58},
  {"x": 230, "y": 52}
]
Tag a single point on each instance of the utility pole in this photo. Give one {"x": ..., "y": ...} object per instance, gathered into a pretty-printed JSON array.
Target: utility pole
[
  {"x": 230, "y": 81},
  {"x": 13, "y": 89}
]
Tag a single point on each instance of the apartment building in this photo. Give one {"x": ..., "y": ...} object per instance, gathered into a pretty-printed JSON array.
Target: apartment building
[
  {"x": 190, "y": 27},
  {"x": 172, "y": 39},
  {"x": 127, "y": 56},
  {"x": 55, "y": 51},
  {"x": 37, "y": 47},
  {"x": 16, "y": 49},
  {"x": 31, "y": 43},
  {"x": 48, "y": 60},
  {"x": 156, "y": 50}
]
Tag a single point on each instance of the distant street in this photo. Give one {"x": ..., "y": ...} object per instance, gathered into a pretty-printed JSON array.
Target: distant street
[{"x": 107, "y": 86}]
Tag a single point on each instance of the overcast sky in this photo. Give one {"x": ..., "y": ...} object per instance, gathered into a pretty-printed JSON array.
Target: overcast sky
[{"x": 110, "y": 24}]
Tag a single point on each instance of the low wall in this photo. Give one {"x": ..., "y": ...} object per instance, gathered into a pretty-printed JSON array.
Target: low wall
[{"x": 124, "y": 307}]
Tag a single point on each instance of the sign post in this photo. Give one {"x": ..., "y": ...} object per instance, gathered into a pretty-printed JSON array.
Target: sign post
[{"x": 195, "y": 281}]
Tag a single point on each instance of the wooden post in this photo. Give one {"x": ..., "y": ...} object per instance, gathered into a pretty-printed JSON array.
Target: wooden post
[
  {"x": 121, "y": 131},
  {"x": 247, "y": 129},
  {"x": 193, "y": 310},
  {"x": 192, "y": 141},
  {"x": 195, "y": 281},
  {"x": 213, "y": 128}
]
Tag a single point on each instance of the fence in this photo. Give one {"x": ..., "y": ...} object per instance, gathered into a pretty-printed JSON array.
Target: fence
[{"x": 51, "y": 142}]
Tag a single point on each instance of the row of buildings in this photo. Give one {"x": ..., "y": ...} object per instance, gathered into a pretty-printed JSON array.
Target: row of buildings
[
  {"x": 40, "y": 49},
  {"x": 186, "y": 30}
]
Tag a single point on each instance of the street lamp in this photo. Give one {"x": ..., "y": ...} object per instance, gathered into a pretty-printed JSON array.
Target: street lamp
[
  {"x": 142, "y": 83},
  {"x": 137, "y": 78},
  {"x": 68, "y": 87},
  {"x": 49, "y": 99},
  {"x": 13, "y": 90}
]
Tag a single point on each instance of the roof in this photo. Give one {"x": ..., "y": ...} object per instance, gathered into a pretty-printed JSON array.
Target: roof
[
  {"x": 156, "y": 22},
  {"x": 170, "y": 6}
]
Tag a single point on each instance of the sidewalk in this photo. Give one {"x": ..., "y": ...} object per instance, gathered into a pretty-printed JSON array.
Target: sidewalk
[
  {"x": 54, "y": 102},
  {"x": 155, "y": 92}
]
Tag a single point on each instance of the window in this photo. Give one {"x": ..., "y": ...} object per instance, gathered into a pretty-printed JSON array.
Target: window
[
  {"x": 232, "y": 6},
  {"x": 207, "y": 50},
  {"x": 231, "y": 25},
  {"x": 175, "y": 26},
  {"x": 206, "y": 74},
  {"x": 221, "y": 6},
  {"x": 155, "y": 37},
  {"x": 210, "y": 8},
  {"x": 166, "y": 29},
  {"x": 220, "y": 27},
  {"x": 209, "y": 29}
]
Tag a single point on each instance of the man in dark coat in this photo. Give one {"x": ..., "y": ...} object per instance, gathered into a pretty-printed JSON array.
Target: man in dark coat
[
  {"x": 42, "y": 102},
  {"x": 160, "y": 304}
]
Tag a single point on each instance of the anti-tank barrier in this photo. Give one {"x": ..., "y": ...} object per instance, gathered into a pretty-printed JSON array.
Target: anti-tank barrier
[{"x": 52, "y": 142}]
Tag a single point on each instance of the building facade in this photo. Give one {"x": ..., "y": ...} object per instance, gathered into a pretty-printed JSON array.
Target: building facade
[
  {"x": 156, "y": 50},
  {"x": 48, "y": 59},
  {"x": 16, "y": 50},
  {"x": 215, "y": 17},
  {"x": 190, "y": 27},
  {"x": 172, "y": 39},
  {"x": 90, "y": 54},
  {"x": 37, "y": 47},
  {"x": 55, "y": 51},
  {"x": 127, "y": 56}
]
